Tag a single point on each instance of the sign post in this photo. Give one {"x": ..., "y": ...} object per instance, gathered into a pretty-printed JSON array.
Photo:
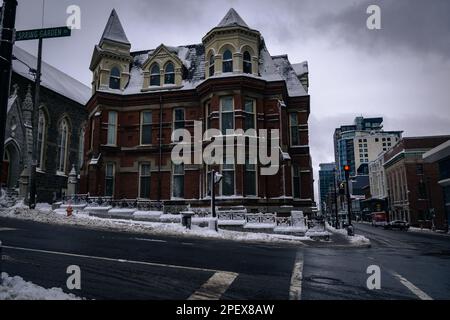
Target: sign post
[{"x": 38, "y": 34}]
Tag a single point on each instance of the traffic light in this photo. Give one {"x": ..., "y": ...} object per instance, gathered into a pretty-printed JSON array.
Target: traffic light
[{"x": 347, "y": 169}]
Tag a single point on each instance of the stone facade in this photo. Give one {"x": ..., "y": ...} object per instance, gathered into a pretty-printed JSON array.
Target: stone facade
[{"x": 55, "y": 107}]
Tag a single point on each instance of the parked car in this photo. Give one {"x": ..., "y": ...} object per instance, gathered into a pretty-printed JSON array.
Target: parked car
[{"x": 400, "y": 225}]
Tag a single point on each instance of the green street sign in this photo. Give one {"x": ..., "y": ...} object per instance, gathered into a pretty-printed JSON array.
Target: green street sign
[{"x": 43, "y": 33}]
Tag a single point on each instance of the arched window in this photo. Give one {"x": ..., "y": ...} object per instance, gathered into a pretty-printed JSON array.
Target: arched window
[
  {"x": 227, "y": 61},
  {"x": 211, "y": 65},
  {"x": 81, "y": 147},
  {"x": 155, "y": 77},
  {"x": 247, "y": 62},
  {"x": 42, "y": 131},
  {"x": 169, "y": 74},
  {"x": 114, "y": 78},
  {"x": 62, "y": 146}
]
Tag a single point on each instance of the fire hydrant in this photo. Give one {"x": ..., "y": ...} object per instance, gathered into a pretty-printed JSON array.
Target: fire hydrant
[{"x": 69, "y": 211}]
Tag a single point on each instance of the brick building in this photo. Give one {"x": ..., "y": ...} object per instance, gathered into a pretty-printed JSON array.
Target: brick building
[
  {"x": 62, "y": 120},
  {"x": 414, "y": 194},
  {"x": 229, "y": 81}
]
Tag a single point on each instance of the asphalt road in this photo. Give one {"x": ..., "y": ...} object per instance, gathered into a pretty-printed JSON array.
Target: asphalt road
[{"x": 118, "y": 265}]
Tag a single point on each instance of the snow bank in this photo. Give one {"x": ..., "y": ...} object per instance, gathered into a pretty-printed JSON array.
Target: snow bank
[
  {"x": 15, "y": 288},
  {"x": 147, "y": 227},
  {"x": 356, "y": 240}
]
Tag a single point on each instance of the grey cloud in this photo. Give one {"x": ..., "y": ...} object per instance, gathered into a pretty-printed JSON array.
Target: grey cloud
[{"x": 422, "y": 26}]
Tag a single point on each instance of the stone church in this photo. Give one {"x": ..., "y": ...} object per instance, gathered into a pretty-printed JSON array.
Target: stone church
[
  {"x": 229, "y": 80},
  {"x": 62, "y": 125}
]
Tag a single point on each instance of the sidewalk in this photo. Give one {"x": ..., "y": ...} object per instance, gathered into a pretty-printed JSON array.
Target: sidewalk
[{"x": 356, "y": 240}]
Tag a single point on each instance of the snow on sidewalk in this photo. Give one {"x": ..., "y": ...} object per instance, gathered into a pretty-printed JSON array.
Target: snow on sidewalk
[
  {"x": 15, "y": 288},
  {"x": 356, "y": 240},
  {"x": 146, "y": 227}
]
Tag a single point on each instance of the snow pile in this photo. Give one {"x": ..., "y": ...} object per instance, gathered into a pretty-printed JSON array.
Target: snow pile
[
  {"x": 356, "y": 240},
  {"x": 146, "y": 227},
  {"x": 15, "y": 288}
]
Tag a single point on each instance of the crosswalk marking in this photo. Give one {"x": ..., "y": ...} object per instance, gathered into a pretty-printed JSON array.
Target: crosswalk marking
[
  {"x": 215, "y": 287},
  {"x": 419, "y": 293},
  {"x": 295, "y": 291}
]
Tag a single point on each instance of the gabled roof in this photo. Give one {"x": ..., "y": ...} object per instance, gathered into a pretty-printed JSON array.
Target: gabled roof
[
  {"x": 114, "y": 30},
  {"x": 232, "y": 19},
  {"x": 52, "y": 78}
]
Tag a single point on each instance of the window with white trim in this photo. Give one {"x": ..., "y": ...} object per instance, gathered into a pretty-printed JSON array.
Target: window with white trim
[
  {"x": 249, "y": 178},
  {"x": 169, "y": 74},
  {"x": 178, "y": 181},
  {"x": 212, "y": 62},
  {"x": 144, "y": 181},
  {"x": 146, "y": 127},
  {"x": 110, "y": 172},
  {"x": 228, "y": 173},
  {"x": 249, "y": 113},
  {"x": 114, "y": 78},
  {"x": 247, "y": 67},
  {"x": 293, "y": 126},
  {"x": 227, "y": 114},
  {"x": 227, "y": 62},
  {"x": 112, "y": 128},
  {"x": 155, "y": 75},
  {"x": 81, "y": 147}
]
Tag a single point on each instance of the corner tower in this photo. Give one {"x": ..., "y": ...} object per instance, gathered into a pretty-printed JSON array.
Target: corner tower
[
  {"x": 111, "y": 59},
  {"x": 232, "y": 47}
]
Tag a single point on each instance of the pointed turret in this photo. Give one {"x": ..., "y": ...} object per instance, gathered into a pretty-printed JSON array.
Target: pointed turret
[
  {"x": 232, "y": 19},
  {"x": 114, "y": 30}
]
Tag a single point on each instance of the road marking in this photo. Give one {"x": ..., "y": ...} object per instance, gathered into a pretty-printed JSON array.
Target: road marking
[
  {"x": 153, "y": 264},
  {"x": 8, "y": 229},
  {"x": 419, "y": 293},
  {"x": 295, "y": 290},
  {"x": 215, "y": 287},
  {"x": 150, "y": 240}
]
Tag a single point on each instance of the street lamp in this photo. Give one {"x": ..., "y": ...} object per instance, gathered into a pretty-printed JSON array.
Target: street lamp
[{"x": 215, "y": 179}]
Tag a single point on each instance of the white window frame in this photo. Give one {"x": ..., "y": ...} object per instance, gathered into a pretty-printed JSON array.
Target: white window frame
[
  {"x": 154, "y": 74},
  {"x": 113, "y": 178},
  {"x": 223, "y": 169},
  {"x": 222, "y": 112},
  {"x": 255, "y": 125},
  {"x": 173, "y": 180},
  {"x": 141, "y": 176},
  {"x": 115, "y": 77},
  {"x": 114, "y": 125},
  {"x": 141, "y": 131},
  {"x": 291, "y": 126}
]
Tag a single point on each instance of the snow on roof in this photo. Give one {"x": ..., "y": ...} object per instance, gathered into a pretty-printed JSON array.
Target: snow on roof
[
  {"x": 285, "y": 69},
  {"x": 300, "y": 68},
  {"x": 232, "y": 19},
  {"x": 52, "y": 78},
  {"x": 114, "y": 30},
  {"x": 272, "y": 69}
]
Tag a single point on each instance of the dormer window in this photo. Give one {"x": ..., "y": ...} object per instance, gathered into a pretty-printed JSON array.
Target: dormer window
[
  {"x": 211, "y": 65},
  {"x": 227, "y": 62},
  {"x": 247, "y": 63},
  {"x": 114, "y": 78},
  {"x": 169, "y": 74},
  {"x": 155, "y": 77}
]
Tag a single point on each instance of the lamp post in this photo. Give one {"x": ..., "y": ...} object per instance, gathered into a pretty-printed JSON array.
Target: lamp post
[
  {"x": 335, "y": 199},
  {"x": 215, "y": 179}
]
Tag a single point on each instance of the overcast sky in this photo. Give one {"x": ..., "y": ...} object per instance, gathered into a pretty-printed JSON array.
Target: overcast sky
[{"x": 401, "y": 72}]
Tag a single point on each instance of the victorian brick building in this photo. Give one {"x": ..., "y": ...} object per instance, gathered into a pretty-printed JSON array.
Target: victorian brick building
[{"x": 229, "y": 81}]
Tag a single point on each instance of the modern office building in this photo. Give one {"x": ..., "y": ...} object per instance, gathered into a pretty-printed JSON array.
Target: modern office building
[{"x": 327, "y": 173}]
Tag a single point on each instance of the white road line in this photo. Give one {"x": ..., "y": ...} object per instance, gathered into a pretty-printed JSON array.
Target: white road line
[
  {"x": 419, "y": 293},
  {"x": 295, "y": 291},
  {"x": 215, "y": 287},
  {"x": 7, "y": 229},
  {"x": 153, "y": 264},
  {"x": 150, "y": 240}
]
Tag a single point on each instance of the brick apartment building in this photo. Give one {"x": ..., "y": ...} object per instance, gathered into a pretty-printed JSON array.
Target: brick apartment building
[
  {"x": 229, "y": 81},
  {"x": 414, "y": 194}
]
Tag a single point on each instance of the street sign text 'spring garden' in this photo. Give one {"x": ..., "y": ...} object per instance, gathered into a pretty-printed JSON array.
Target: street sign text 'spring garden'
[{"x": 43, "y": 33}]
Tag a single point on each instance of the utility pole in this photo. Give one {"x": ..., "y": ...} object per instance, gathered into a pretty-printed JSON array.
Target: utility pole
[
  {"x": 6, "y": 48},
  {"x": 347, "y": 189},
  {"x": 335, "y": 200}
]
